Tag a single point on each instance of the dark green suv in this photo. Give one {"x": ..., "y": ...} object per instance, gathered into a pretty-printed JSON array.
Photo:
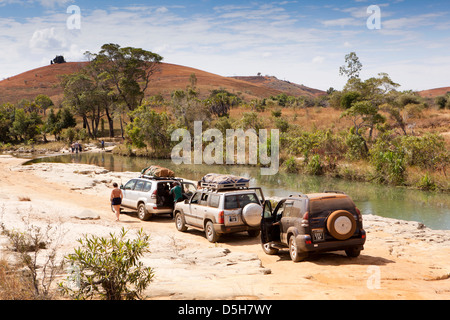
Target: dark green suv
[{"x": 316, "y": 222}]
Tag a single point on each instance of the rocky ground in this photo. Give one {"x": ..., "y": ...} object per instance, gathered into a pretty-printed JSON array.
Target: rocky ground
[{"x": 401, "y": 260}]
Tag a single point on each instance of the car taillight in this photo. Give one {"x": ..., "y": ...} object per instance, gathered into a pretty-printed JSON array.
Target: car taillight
[
  {"x": 153, "y": 196},
  {"x": 305, "y": 221},
  {"x": 221, "y": 217}
]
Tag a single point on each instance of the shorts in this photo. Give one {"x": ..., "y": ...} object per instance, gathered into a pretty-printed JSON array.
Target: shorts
[{"x": 116, "y": 201}]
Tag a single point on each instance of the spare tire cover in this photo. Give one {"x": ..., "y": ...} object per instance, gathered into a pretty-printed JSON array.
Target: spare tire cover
[
  {"x": 251, "y": 214},
  {"x": 341, "y": 225}
]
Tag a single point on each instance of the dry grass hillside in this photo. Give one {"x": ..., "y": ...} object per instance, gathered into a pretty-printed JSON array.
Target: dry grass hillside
[
  {"x": 433, "y": 93},
  {"x": 45, "y": 80},
  {"x": 291, "y": 89}
]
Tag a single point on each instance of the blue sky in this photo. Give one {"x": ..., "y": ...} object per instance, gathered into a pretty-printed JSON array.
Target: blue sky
[{"x": 300, "y": 41}]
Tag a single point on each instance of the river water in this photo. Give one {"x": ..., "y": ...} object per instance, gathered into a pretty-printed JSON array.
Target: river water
[{"x": 431, "y": 209}]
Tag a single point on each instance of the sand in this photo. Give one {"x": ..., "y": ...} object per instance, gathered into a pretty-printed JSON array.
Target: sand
[{"x": 401, "y": 260}]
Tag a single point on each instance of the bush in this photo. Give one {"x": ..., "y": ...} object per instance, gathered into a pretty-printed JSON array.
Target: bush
[
  {"x": 291, "y": 165},
  {"x": 314, "y": 166},
  {"x": 390, "y": 167},
  {"x": 109, "y": 268}
]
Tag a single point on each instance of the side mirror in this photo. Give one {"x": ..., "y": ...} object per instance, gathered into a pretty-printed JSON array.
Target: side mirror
[
  {"x": 121, "y": 186},
  {"x": 186, "y": 201}
]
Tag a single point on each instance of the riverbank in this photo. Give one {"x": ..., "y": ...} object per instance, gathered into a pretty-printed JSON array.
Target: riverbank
[{"x": 401, "y": 260}]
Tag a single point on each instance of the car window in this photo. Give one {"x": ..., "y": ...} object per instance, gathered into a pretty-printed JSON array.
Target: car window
[
  {"x": 231, "y": 202},
  {"x": 331, "y": 204},
  {"x": 147, "y": 186},
  {"x": 240, "y": 200},
  {"x": 189, "y": 188},
  {"x": 204, "y": 199},
  {"x": 297, "y": 209},
  {"x": 130, "y": 185},
  {"x": 245, "y": 199},
  {"x": 287, "y": 210},
  {"x": 139, "y": 185},
  {"x": 214, "y": 200},
  {"x": 196, "y": 198}
]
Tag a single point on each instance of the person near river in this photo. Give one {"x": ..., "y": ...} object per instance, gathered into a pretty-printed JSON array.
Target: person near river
[{"x": 116, "y": 200}]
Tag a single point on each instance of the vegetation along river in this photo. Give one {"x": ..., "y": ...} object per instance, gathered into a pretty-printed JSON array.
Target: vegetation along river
[{"x": 431, "y": 209}]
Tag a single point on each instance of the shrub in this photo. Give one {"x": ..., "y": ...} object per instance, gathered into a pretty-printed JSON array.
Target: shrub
[
  {"x": 314, "y": 166},
  {"x": 109, "y": 268},
  {"x": 390, "y": 167},
  {"x": 291, "y": 165}
]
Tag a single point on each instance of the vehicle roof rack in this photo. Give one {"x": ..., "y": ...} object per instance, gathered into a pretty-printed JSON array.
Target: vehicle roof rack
[
  {"x": 159, "y": 178},
  {"x": 333, "y": 191},
  {"x": 225, "y": 186}
]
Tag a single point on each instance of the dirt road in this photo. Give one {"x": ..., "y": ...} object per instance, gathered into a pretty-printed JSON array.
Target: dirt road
[{"x": 401, "y": 260}]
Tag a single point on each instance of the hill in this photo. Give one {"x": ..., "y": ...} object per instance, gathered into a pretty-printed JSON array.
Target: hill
[
  {"x": 45, "y": 80},
  {"x": 433, "y": 93},
  {"x": 291, "y": 89}
]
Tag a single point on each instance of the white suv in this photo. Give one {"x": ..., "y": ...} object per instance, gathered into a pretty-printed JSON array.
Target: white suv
[
  {"x": 219, "y": 211},
  {"x": 151, "y": 196}
]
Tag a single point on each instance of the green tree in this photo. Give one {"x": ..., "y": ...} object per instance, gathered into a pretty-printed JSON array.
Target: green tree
[
  {"x": 353, "y": 66},
  {"x": 25, "y": 125},
  {"x": 126, "y": 70},
  {"x": 44, "y": 102},
  {"x": 364, "y": 114},
  {"x": 150, "y": 129}
]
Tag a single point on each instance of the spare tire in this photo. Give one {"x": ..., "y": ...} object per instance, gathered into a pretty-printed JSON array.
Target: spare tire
[
  {"x": 251, "y": 214},
  {"x": 341, "y": 225}
]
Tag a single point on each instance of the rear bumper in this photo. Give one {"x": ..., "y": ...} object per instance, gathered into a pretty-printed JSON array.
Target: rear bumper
[
  {"x": 221, "y": 228},
  {"x": 158, "y": 210},
  {"x": 304, "y": 243}
]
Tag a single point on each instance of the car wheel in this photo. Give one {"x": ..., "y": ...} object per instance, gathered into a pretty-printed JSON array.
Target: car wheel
[
  {"x": 294, "y": 252},
  {"x": 353, "y": 252},
  {"x": 268, "y": 249},
  {"x": 210, "y": 233},
  {"x": 143, "y": 214},
  {"x": 180, "y": 222},
  {"x": 254, "y": 233},
  {"x": 341, "y": 225}
]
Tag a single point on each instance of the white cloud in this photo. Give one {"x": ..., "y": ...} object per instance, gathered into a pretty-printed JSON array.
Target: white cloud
[
  {"x": 318, "y": 60},
  {"x": 48, "y": 39}
]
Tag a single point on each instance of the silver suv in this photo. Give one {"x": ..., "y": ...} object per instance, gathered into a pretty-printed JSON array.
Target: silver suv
[
  {"x": 218, "y": 211},
  {"x": 151, "y": 196}
]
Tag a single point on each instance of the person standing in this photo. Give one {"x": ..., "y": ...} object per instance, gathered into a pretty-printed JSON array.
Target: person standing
[
  {"x": 116, "y": 200},
  {"x": 177, "y": 193}
]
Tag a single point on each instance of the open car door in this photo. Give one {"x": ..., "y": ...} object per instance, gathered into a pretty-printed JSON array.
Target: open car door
[{"x": 267, "y": 223}]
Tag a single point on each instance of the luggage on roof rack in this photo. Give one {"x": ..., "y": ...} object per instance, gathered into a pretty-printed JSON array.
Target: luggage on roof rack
[
  {"x": 223, "y": 181},
  {"x": 158, "y": 172}
]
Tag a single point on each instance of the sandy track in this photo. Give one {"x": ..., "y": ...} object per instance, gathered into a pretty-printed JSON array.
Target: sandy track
[{"x": 401, "y": 260}]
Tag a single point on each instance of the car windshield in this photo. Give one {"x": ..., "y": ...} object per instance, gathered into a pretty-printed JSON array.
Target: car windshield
[
  {"x": 331, "y": 204},
  {"x": 240, "y": 200}
]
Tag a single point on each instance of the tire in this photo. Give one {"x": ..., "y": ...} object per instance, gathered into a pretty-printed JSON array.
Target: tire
[
  {"x": 341, "y": 225},
  {"x": 180, "y": 223},
  {"x": 254, "y": 233},
  {"x": 294, "y": 252},
  {"x": 210, "y": 233},
  {"x": 268, "y": 250},
  {"x": 353, "y": 252},
  {"x": 142, "y": 213}
]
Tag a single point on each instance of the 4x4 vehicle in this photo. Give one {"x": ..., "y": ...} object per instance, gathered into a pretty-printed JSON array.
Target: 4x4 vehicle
[
  {"x": 317, "y": 222},
  {"x": 150, "y": 195},
  {"x": 221, "y": 209}
]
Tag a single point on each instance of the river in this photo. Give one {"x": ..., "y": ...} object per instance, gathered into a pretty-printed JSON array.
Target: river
[{"x": 431, "y": 209}]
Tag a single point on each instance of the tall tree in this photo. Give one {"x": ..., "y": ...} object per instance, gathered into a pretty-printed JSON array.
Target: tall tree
[
  {"x": 127, "y": 70},
  {"x": 353, "y": 66}
]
